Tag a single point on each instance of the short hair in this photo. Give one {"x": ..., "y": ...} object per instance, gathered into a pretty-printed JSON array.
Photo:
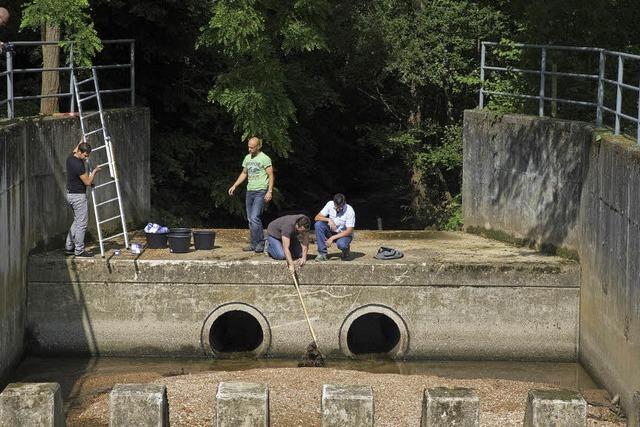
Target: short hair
[
  {"x": 259, "y": 141},
  {"x": 304, "y": 222},
  {"x": 339, "y": 199},
  {"x": 84, "y": 147}
]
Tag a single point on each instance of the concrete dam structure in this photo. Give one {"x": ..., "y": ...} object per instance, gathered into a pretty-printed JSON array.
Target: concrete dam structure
[
  {"x": 547, "y": 184},
  {"x": 453, "y": 296}
]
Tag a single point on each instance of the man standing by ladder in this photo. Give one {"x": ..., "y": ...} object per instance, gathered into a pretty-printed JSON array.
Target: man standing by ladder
[
  {"x": 257, "y": 167},
  {"x": 77, "y": 182}
]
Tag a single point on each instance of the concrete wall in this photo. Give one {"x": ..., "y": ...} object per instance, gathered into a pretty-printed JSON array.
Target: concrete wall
[
  {"x": 523, "y": 175},
  {"x": 466, "y": 311},
  {"x": 552, "y": 182},
  {"x": 33, "y": 210}
]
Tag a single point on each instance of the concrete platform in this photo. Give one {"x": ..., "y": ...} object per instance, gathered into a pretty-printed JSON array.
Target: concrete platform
[{"x": 453, "y": 296}]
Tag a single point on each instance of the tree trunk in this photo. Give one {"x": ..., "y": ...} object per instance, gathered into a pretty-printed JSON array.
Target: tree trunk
[{"x": 50, "y": 79}]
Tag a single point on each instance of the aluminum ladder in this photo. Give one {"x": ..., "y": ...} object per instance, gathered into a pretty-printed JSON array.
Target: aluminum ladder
[{"x": 82, "y": 97}]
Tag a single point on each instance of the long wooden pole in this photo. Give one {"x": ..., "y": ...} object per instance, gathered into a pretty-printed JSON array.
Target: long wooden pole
[{"x": 306, "y": 315}]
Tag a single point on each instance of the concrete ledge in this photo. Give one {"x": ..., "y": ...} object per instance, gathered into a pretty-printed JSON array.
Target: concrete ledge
[
  {"x": 31, "y": 404},
  {"x": 443, "y": 407},
  {"x": 347, "y": 405},
  {"x": 143, "y": 405},
  {"x": 564, "y": 408},
  {"x": 242, "y": 404}
]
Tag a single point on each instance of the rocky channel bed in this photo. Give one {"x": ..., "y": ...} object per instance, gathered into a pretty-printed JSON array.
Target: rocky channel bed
[{"x": 295, "y": 396}]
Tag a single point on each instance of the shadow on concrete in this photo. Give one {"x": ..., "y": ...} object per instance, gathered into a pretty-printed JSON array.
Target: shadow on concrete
[{"x": 524, "y": 177}]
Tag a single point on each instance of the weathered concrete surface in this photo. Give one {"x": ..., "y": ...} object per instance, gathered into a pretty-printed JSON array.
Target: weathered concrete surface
[
  {"x": 140, "y": 405},
  {"x": 555, "y": 408},
  {"x": 460, "y": 296},
  {"x": 634, "y": 413},
  {"x": 610, "y": 277},
  {"x": 523, "y": 176},
  {"x": 444, "y": 407},
  {"x": 240, "y": 404},
  {"x": 556, "y": 183},
  {"x": 31, "y": 404},
  {"x": 33, "y": 209},
  {"x": 347, "y": 405}
]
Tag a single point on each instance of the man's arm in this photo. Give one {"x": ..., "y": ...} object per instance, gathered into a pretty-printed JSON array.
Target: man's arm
[
  {"x": 269, "y": 194},
  {"x": 240, "y": 180},
  {"x": 305, "y": 248},
  {"x": 324, "y": 217},
  {"x": 286, "y": 242},
  {"x": 87, "y": 179},
  {"x": 345, "y": 233}
]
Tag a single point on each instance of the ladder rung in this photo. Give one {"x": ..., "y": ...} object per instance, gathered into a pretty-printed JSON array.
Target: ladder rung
[
  {"x": 103, "y": 164},
  {"x": 93, "y": 131},
  {"x": 102, "y": 147},
  {"x": 106, "y": 183},
  {"x": 90, "y": 115},
  {"x": 113, "y": 237},
  {"x": 107, "y": 201},
  {"x": 109, "y": 219},
  {"x": 88, "y": 98},
  {"x": 84, "y": 81}
]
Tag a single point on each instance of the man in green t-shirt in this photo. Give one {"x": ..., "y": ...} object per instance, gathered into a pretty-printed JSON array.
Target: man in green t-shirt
[{"x": 257, "y": 167}]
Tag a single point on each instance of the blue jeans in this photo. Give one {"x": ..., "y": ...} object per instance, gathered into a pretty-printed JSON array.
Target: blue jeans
[
  {"x": 255, "y": 206},
  {"x": 323, "y": 232},
  {"x": 276, "y": 250}
]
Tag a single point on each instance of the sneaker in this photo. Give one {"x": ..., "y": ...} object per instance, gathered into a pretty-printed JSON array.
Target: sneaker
[
  {"x": 84, "y": 254},
  {"x": 321, "y": 257},
  {"x": 259, "y": 249},
  {"x": 69, "y": 252},
  {"x": 248, "y": 249},
  {"x": 266, "y": 247},
  {"x": 346, "y": 255}
]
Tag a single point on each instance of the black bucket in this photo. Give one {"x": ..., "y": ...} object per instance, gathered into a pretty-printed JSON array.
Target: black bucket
[
  {"x": 179, "y": 243},
  {"x": 180, "y": 231},
  {"x": 156, "y": 240},
  {"x": 204, "y": 239}
]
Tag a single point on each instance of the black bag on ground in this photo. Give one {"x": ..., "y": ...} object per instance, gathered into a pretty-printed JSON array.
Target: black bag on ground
[{"x": 388, "y": 253}]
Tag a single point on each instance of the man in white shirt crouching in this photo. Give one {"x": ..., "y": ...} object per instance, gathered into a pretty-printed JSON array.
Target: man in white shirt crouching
[{"x": 334, "y": 224}]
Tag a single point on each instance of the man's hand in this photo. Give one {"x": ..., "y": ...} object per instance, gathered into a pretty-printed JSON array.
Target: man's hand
[
  {"x": 292, "y": 269},
  {"x": 232, "y": 189},
  {"x": 332, "y": 225},
  {"x": 97, "y": 169},
  {"x": 301, "y": 261},
  {"x": 329, "y": 241},
  {"x": 267, "y": 196}
]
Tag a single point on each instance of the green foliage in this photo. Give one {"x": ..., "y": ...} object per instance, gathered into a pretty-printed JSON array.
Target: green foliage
[
  {"x": 507, "y": 55},
  {"x": 257, "y": 37},
  {"x": 448, "y": 154},
  {"x": 454, "y": 215},
  {"x": 72, "y": 16}
]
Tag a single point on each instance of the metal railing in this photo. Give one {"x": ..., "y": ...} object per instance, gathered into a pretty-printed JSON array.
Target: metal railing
[
  {"x": 10, "y": 73},
  {"x": 543, "y": 72}
]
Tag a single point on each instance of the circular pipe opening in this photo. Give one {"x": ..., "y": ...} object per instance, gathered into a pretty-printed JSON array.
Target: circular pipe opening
[
  {"x": 235, "y": 331},
  {"x": 235, "y": 328},
  {"x": 374, "y": 330},
  {"x": 373, "y": 333}
]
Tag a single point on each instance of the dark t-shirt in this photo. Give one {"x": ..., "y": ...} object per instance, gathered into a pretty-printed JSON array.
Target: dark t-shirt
[
  {"x": 283, "y": 226},
  {"x": 75, "y": 168}
]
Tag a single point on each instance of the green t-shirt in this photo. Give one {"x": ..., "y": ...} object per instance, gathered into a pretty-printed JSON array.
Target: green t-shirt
[{"x": 257, "y": 171}]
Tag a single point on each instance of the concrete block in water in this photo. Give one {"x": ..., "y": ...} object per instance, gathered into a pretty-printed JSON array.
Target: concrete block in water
[
  {"x": 241, "y": 404},
  {"x": 555, "y": 408},
  {"x": 443, "y": 407},
  {"x": 138, "y": 405},
  {"x": 32, "y": 404},
  {"x": 347, "y": 405}
]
